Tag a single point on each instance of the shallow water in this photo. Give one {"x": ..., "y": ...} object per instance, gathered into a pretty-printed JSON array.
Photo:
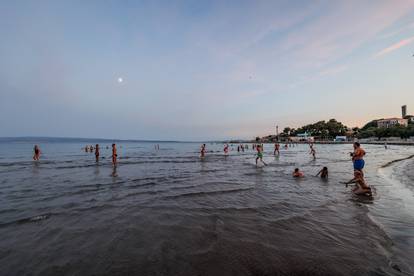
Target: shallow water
[{"x": 166, "y": 212}]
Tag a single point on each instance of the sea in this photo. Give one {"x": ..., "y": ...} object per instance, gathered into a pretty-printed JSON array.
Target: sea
[{"x": 166, "y": 211}]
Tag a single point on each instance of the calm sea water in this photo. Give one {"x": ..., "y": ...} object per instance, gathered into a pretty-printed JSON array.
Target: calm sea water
[{"x": 166, "y": 212}]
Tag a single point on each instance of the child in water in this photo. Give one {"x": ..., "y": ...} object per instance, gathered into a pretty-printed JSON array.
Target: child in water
[
  {"x": 297, "y": 173},
  {"x": 323, "y": 172},
  {"x": 312, "y": 151},
  {"x": 36, "y": 155},
  {"x": 361, "y": 187},
  {"x": 114, "y": 154},
  {"x": 259, "y": 149}
]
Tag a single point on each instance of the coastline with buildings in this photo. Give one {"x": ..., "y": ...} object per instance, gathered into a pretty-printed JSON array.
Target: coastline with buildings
[{"x": 393, "y": 131}]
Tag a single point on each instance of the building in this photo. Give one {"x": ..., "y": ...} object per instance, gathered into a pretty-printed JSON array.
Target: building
[
  {"x": 410, "y": 118},
  {"x": 390, "y": 122},
  {"x": 404, "y": 111},
  {"x": 302, "y": 137},
  {"x": 340, "y": 139}
]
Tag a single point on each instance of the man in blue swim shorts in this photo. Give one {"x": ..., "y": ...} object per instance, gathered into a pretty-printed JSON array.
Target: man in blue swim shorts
[{"x": 358, "y": 157}]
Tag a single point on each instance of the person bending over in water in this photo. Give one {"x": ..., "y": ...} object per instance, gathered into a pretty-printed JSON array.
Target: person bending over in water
[
  {"x": 323, "y": 173},
  {"x": 36, "y": 155},
  {"x": 203, "y": 150},
  {"x": 277, "y": 146},
  {"x": 297, "y": 173},
  {"x": 361, "y": 187},
  {"x": 97, "y": 152},
  {"x": 260, "y": 154},
  {"x": 114, "y": 154}
]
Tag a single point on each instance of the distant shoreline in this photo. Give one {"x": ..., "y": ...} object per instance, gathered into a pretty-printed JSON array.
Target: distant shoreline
[
  {"x": 105, "y": 140},
  {"x": 397, "y": 143},
  {"x": 86, "y": 140}
]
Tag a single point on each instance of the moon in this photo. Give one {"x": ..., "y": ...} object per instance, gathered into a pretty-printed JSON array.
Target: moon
[{"x": 120, "y": 80}]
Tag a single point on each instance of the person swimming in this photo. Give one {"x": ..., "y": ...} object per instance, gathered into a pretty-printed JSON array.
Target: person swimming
[
  {"x": 114, "y": 155},
  {"x": 203, "y": 150},
  {"x": 260, "y": 154},
  {"x": 36, "y": 155},
  {"x": 297, "y": 173},
  {"x": 323, "y": 173}
]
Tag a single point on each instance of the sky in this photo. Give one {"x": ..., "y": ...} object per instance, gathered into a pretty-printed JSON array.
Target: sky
[{"x": 200, "y": 70}]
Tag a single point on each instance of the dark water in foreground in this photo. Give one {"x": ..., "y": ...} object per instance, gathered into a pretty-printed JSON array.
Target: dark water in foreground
[{"x": 168, "y": 213}]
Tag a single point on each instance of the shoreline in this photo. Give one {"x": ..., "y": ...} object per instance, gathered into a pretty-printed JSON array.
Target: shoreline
[{"x": 395, "y": 143}]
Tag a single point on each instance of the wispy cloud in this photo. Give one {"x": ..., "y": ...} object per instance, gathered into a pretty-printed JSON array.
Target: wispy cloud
[{"x": 394, "y": 47}]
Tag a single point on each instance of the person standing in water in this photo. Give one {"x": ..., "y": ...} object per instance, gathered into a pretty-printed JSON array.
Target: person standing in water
[
  {"x": 203, "y": 150},
  {"x": 323, "y": 173},
  {"x": 36, "y": 155},
  {"x": 226, "y": 149},
  {"x": 277, "y": 146},
  {"x": 260, "y": 154},
  {"x": 313, "y": 152},
  {"x": 97, "y": 152},
  {"x": 114, "y": 155},
  {"x": 358, "y": 157}
]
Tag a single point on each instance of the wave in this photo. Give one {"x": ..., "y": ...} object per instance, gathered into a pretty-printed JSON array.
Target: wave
[
  {"x": 195, "y": 194},
  {"x": 396, "y": 160},
  {"x": 36, "y": 218}
]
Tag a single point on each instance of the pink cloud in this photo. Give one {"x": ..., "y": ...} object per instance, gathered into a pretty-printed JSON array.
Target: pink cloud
[{"x": 394, "y": 47}]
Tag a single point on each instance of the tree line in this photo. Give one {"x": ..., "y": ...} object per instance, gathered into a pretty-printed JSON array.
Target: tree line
[
  {"x": 325, "y": 130},
  {"x": 371, "y": 130},
  {"x": 322, "y": 129}
]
